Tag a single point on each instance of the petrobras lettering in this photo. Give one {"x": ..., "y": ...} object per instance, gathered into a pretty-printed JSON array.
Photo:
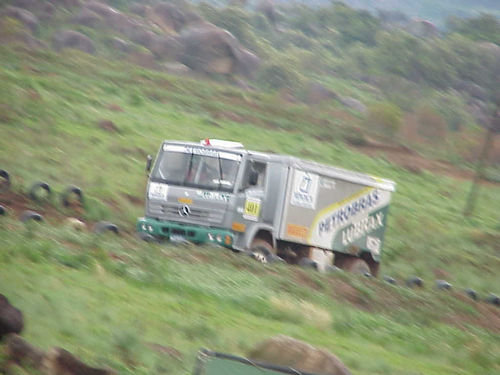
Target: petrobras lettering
[
  {"x": 361, "y": 228},
  {"x": 201, "y": 151},
  {"x": 345, "y": 213}
]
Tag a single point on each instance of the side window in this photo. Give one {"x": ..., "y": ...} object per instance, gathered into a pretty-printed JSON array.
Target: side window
[{"x": 255, "y": 175}]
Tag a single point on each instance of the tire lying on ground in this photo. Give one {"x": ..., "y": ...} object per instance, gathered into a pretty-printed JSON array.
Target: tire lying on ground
[
  {"x": 493, "y": 299},
  {"x": 443, "y": 285},
  {"x": 389, "y": 279},
  {"x": 29, "y": 215},
  {"x": 471, "y": 293},
  {"x": 68, "y": 192},
  {"x": 414, "y": 281},
  {"x": 105, "y": 226},
  {"x": 3, "y": 212},
  {"x": 35, "y": 188},
  {"x": 4, "y": 181}
]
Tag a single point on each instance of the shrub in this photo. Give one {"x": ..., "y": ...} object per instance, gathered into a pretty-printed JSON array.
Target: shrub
[{"x": 385, "y": 117}]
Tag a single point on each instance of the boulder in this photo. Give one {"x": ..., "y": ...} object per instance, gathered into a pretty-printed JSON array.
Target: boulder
[
  {"x": 21, "y": 352},
  {"x": 353, "y": 104},
  {"x": 267, "y": 8},
  {"x": 139, "y": 9},
  {"x": 72, "y": 39},
  {"x": 167, "y": 17},
  {"x": 166, "y": 47},
  {"x": 143, "y": 37},
  {"x": 210, "y": 49},
  {"x": 318, "y": 93},
  {"x": 87, "y": 17},
  {"x": 120, "y": 45},
  {"x": 11, "y": 319},
  {"x": 101, "y": 9},
  {"x": 177, "y": 69},
  {"x": 24, "y": 16},
  {"x": 288, "y": 352}
]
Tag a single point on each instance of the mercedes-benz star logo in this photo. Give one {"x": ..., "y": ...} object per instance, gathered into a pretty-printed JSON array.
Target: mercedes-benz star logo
[{"x": 184, "y": 210}]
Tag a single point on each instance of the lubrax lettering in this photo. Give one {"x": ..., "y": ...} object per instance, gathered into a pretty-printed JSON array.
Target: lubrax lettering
[
  {"x": 362, "y": 227},
  {"x": 343, "y": 215}
]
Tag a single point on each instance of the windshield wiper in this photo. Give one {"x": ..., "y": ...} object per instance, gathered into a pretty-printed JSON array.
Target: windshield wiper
[
  {"x": 221, "y": 177},
  {"x": 189, "y": 170}
]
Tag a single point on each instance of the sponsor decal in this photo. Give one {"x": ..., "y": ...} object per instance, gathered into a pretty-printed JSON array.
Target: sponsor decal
[
  {"x": 185, "y": 200},
  {"x": 157, "y": 191},
  {"x": 305, "y": 190},
  {"x": 213, "y": 195},
  {"x": 345, "y": 213},
  {"x": 298, "y": 231},
  {"x": 373, "y": 244},
  {"x": 362, "y": 227},
  {"x": 202, "y": 151},
  {"x": 252, "y": 209}
]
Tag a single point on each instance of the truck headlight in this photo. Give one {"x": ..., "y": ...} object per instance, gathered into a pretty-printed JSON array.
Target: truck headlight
[
  {"x": 143, "y": 227},
  {"x": 219, "y": 238},
  {"x": 150, "y": 229},
  {"x": 211, "y": 236}
]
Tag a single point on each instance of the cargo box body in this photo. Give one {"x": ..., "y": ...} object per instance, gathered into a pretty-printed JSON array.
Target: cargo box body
[{"x": 335, "y": 209}]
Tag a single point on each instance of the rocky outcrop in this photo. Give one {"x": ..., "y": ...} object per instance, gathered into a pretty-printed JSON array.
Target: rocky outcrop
[
  {"x": 87, "y": 17},
  {"x": 353, "y": 104},
  {"x": 24, "y": 16},
  {"x": 55, "y": 362},
  {"x": 11, "y": 318},
  {"x": 72, "y": 39},
  {"x": 210, "y": 49},
  {"x": 286, "y": 351}
]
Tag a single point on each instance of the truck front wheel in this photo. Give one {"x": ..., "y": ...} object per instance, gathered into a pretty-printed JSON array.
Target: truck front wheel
[{"x": 262, "y": 251}]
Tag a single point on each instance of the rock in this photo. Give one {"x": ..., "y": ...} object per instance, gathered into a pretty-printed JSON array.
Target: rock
[
  {"x": 267, "y": 8},
  {"x": 166, "y": 47},
  {"x": 23, "y": 353},
  {"x": 72, "y": 39},
  {"x": 473, "y": 90},
  {"x": 101, "y": 9},
  {"x": 177, "y": 69},
  {"x": 120, "y": 45},
  {"x": 24, "y": 16},
  {"x": 87, "y": 17},
  {"x": 353, "y": 104},
  {"x": 139, "y": 9},
  {"x": 443, "y": 285},
  {"x": 318, "y": 93},
  {"x": 75, "y": 224},
  {"x": 168, "y": 17},
  {"x": 414, "y": 281},
  {"x": 11, "y": 319},
  {"x": 62, "y": 362},
  {"x": 422, "y": 29},
  {"x": 108, "y": 125},
  {"x": 210, "y": 49},
  {"x": 56, "y": 362},
  {"x": 286, "y": 351},
  {"x": 142, "y": 37}
]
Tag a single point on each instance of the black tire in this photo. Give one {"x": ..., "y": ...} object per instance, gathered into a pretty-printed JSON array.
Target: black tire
[
  {"x": 3, "y": 211},
  {"x": 36, "y": 187},
  {"x": 389, "y": 279},
  {"x": 443, "y": 285},
  {"x": 30, "y": 215},
  {"x": 262, "y": 251},
  {"x": 4, "y": 181},
  {"x": 493, "y": 299},
  {"x": 308, "y": 263},
  {"x": 471, "y": 293},
  {"x": 414, "y": 281},
  {"x": 68, "y": 192},
  {"x": 105, "y": 226}
]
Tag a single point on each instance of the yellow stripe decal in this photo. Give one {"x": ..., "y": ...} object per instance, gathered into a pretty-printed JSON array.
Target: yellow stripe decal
[{"x": 335, "y": 205}]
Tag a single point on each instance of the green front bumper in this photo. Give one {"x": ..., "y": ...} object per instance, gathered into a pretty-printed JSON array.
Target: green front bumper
[{"x": 193, "y": 233}]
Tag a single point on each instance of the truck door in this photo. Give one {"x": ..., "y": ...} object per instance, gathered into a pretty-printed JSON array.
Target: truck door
[{"x": 251, "y": 192}]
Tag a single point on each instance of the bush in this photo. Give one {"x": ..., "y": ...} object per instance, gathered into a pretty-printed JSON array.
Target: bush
[
  {"x": 385, "y": 117},
  {"x": 430, "y": 123},
  {"x": 278, "y": 76}
]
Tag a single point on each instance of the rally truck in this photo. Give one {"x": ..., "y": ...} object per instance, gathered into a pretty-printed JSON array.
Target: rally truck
[{"x": 268, "y": 205}]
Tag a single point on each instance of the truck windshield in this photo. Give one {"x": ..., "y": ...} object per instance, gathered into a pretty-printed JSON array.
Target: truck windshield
[{"x": 197, "y": 167}]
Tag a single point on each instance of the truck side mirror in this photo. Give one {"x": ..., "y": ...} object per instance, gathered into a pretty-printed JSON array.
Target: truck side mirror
[
  {"x": 149, "y": 162},
  {"x": 253, "y": 178}
]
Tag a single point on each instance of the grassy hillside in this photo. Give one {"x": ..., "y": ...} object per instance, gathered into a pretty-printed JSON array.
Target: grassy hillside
[{"x": 109, "y": 299}]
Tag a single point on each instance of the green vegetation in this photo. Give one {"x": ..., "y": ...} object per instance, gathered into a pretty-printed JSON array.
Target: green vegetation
[
  {"x": 109, "y": 299},
  {"x": 72, "y": 118}
]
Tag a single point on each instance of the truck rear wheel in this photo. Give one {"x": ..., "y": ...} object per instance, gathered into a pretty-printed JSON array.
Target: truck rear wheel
[
  {"x": 352, "y": 264},
  {"x": 262, "y": 251}
]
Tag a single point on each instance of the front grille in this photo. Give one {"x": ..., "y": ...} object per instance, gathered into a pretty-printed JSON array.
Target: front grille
[{"x": 169, "y": 211}]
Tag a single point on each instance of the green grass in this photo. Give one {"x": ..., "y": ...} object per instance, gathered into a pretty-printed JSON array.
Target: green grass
[{"x": 106, "y": 298}]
